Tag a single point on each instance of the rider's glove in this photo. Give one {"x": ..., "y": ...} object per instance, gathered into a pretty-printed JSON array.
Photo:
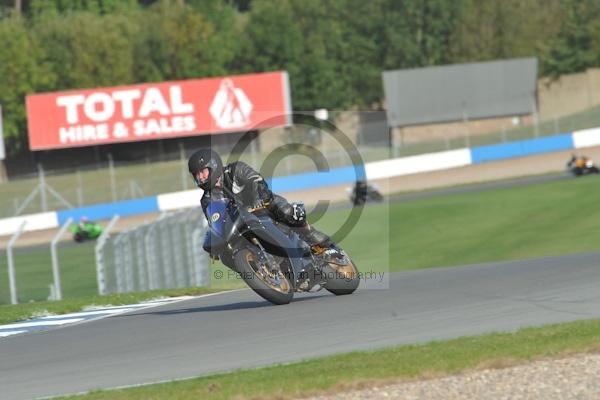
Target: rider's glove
[{"x": 299, "y": 212}]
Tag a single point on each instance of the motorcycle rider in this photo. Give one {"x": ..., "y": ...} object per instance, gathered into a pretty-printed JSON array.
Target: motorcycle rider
[
  {"x": 578, "y": 162},
  {"x": 250, "y": 189},
  {"x": 361, "y": 191},
  {"x": 84, "y": 223}
]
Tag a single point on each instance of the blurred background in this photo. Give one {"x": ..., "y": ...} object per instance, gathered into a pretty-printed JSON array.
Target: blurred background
[{"x": 333, "y": 51}]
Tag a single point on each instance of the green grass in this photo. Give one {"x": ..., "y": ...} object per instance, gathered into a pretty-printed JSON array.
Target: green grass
[
  {"x": 546, "y": 219},
  {"x": 534, "y": 221},
  {"x": 351, "y": 370}
]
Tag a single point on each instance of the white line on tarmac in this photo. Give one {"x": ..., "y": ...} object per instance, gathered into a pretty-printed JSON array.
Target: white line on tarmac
[
  {"x": 41, "y": 323},
  {"x": 148, "y": 303},
  {"x": 9, "y": 333},
  {"x": 104, "y": 312},
  {"x": 86, "y": 313},
  {"x": 179, "y": 299}
]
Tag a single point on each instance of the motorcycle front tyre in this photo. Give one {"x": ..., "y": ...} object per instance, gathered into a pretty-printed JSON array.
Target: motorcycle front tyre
[{"x": 281, "y": 294}]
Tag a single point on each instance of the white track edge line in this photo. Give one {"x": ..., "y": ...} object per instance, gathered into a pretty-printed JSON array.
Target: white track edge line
[
  {"x": 150, "y": 306},
  {"x": 132, "y": 310}
]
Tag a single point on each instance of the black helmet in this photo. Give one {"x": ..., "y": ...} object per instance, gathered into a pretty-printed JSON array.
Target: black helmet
[{"x": 206, "y": 158}]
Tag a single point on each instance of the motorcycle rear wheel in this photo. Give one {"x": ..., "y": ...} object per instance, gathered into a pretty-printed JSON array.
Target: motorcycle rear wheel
[{"x": 275, "y": 288}]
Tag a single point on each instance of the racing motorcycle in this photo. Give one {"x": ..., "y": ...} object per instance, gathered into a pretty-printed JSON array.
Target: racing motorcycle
[
  {"x": 363, "y": 192},
  {"x": 89, "y": 231},
  {"x": 270, "y": 256},
  {"x": 582, "y": 166}
]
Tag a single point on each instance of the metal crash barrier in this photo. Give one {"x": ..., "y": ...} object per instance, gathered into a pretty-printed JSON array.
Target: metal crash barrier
[{"x": 162, "y": 254}]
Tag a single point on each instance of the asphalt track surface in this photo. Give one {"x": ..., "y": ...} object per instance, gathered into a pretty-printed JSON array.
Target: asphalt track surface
[{"x": 238, "y": 330}]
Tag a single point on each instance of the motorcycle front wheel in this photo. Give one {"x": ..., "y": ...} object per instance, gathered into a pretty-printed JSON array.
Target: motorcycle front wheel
[
  {"x": 341, "y": 278},
  {"x": 271, "y": 286}
]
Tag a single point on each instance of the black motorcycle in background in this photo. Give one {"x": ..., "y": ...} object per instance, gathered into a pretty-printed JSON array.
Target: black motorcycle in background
[
  {"x": 580, "y": 166},
  {"x": 363, "y": 192},
  {"x": 270, "y": 256}
]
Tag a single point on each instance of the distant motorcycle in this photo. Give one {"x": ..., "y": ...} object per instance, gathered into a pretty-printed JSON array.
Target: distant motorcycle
[
  {"x": 270, "y": 256},
  {"x": 86, "y": 231},
  {"x": 363, "y": 192},
  {"x": 581, "y": 166}
]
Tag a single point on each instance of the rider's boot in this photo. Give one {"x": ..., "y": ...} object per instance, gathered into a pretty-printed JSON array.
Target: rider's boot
[{"x": 320, "y": 243}]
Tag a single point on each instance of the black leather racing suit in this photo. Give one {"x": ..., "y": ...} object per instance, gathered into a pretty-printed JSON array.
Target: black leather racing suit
[{"x": 250, "y": 189}]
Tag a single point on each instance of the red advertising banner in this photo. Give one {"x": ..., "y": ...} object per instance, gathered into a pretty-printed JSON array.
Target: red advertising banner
[{"x": 158, "y": 110}]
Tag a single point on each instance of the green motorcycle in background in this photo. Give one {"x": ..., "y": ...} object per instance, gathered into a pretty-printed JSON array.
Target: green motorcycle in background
[{"x": 86, "y": 230}]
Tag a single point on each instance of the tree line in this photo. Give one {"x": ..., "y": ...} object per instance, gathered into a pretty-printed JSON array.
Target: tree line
[{"x": 334, "y": 50}]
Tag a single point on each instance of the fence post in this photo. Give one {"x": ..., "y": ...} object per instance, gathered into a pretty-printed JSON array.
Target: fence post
[
  {"x": 11, "y": 263},
  {"x": 55, "y": 266},
  {"x": 188, "y": 225},
  {"x": 166, "y": 244},
  {"x": 466, "y": 125},
  {"x": 447, "y": 141},
  {"x": 184, "y": 170},
  {"x": 129, "y": 271},
  {"x": 536, "y": 119},
  {"x": 177, "y": 240},
  {"x": 99, "y": 259},
  {"x": 42, "y": 187},
  {"x": 140, "y": 257},
  {"x": 113, "y": 179},
  {"x": 397, "y": 147},
  {"x": 151, "y": 247},
  {"x": 79, "y": 189},
  {"x": 150, "y": 250},
  {"x": 118, "y": 260}
]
